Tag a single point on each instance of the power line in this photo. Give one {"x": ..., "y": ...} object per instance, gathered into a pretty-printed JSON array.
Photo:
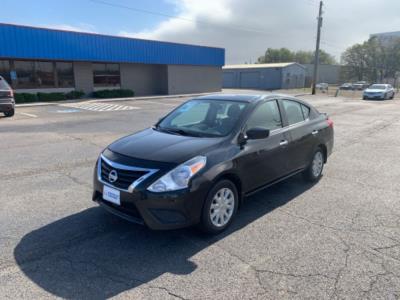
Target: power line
[
  {"x": 161, "y": 14},
  {"x": 312, "y": 2}
]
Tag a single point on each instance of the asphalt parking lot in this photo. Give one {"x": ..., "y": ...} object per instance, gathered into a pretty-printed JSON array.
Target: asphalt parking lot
[{"x": 337, "y": 239}]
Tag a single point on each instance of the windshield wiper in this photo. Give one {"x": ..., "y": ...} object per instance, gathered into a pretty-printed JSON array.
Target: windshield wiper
[{"x": 171, "y": 130}]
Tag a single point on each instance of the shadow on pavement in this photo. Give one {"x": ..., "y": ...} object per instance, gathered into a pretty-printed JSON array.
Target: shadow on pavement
[{"x": 93, "y": 254}]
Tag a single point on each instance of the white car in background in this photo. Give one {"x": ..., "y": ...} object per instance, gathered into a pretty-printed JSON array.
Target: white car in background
[{"x": 379, "y": 91}]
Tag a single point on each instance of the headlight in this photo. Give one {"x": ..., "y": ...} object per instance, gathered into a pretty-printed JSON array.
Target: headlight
[{"x": 178, "y": 178}]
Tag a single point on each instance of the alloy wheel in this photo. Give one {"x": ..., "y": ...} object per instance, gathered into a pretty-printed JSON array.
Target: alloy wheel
[
  {"x": 222, "y": 207},
  {"x": 317, "y": 164}
]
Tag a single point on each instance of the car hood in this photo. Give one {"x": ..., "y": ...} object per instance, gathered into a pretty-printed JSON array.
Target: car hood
[
  {"x": 374, "y": 91},
  {"x": 154, "y": 145}
]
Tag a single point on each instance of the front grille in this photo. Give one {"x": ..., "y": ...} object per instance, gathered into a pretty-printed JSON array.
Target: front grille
[{"x": 125, "y": 177}]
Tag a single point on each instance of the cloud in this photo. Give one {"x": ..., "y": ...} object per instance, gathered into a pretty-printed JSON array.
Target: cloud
[
  {"x": 247, "y": 28},
  {"x": 81, "y": 27}
]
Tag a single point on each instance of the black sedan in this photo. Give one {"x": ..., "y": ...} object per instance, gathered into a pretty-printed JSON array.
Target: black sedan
[{"x": 197, "y": 164}]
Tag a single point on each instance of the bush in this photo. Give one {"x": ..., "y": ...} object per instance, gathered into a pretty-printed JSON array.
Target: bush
[
  {"x": 51, "y": 96},
  {"x": 25, "y": 98},
  {"x": 121, "y": 93},
  {"x": 46, "y": 97},
  {"x": 74, "y": 95}
]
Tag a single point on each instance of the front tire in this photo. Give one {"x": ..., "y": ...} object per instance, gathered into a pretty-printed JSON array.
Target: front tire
[
  {"x": 9, "y": 113},
  {"x": 314, "y": 171},
  {"x": 220, "y": 207}
]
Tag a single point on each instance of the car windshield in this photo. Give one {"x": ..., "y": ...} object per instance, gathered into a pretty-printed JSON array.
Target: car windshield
[
  {"x": 378, "y": 87},
  {"x": 3, "y": 84},
  {"x": 203, "y": 118}
]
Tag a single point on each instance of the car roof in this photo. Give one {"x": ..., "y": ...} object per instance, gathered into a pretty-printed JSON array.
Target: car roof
[{"x": 241, "y": 97}]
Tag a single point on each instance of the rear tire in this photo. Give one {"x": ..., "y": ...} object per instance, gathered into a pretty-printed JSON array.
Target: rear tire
[
  {"x": 220, "y": 207},
  {"x": 9, "y": 113},
  {"x": 314, "y": 171}
]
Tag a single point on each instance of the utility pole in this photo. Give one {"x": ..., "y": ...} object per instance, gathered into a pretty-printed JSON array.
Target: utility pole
[{"x": 316, "y": 58}]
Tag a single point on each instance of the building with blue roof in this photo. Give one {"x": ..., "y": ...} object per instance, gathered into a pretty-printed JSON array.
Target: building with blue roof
[{"x": 38, "y": 59}]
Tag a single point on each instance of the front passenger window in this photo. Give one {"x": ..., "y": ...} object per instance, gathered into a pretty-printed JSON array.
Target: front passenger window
[{"x": 293, "y": 111}]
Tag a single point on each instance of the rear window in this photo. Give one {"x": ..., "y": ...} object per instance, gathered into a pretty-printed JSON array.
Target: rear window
[
  {"x": 3, "y": 84},
  {"x": 294, "y": 112}
]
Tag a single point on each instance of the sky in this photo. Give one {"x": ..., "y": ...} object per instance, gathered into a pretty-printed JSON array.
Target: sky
[{"x": 245, "y": 28}]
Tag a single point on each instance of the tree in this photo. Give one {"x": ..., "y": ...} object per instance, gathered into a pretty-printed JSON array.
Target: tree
[
  {"x": 374, "y": 60},
  {"x": 301, "y": 56},
  {"x": 304, "y": 57},
  {"x": 324, "y": 58},
  {"x": 276, "y": 55}
]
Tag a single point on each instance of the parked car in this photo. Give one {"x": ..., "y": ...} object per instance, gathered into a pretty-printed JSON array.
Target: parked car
[
  {"x": 196, "y": 165},
  {"x": 379, "y": 91},
  {"x": 7, "y": 103},
  {"x": 360, "y": 85},
  {"x": 346, "y": 86},
  {"x": 322, "y": 86}
]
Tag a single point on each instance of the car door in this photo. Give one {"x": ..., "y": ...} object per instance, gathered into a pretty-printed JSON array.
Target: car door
[
  {"x": 263, "y": 161},
  {"x": 391, "y": 91},
  {"x": 301, "y": 131}
]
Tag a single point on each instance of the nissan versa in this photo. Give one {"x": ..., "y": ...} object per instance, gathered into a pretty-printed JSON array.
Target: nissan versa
[{"x": 197, "y": 163}]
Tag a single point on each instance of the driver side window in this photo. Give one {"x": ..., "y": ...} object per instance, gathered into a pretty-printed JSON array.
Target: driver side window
[{"x": 266, "y": 115}]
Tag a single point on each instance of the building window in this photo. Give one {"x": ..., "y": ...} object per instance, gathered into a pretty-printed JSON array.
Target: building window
[
  {"x": 106, "y": 75},
  {"x": 34, "y": 74},
  {"x": 5, "y": 70},
  {"x": 65, "y": 74}
]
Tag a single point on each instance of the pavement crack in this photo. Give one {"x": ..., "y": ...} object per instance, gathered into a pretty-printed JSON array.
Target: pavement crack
[
  {"x": 339, "y": 274},
  {"x": 76, "y": 180},
  {"x": 168, "y": 292}
]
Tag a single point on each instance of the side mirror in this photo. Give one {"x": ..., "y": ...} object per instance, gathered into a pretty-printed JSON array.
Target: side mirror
[{"x": 257, "y": 133}]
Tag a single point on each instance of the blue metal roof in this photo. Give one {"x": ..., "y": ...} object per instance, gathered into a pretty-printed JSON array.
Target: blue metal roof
[{"x": 23, "y": 42}]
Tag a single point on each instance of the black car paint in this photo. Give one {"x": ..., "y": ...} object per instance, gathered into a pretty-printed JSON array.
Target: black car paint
[{"x": 251, "y": 165}]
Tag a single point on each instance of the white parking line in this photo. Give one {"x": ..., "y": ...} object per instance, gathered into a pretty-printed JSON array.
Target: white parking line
[
  {"x": 162, "y": 103},
  {"x": 29, "y": 115},
  {"x": 95, "y": 106}
]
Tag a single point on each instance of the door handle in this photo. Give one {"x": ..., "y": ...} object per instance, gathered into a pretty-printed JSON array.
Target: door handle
[
  {"x": 283, "y": 143},
  {"x": 314, "y": 132}
]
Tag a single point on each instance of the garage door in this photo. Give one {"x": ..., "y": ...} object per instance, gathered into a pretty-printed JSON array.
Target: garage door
[
  {"x": 228, "y": 80},
  {"x": 250, "y": 80}
]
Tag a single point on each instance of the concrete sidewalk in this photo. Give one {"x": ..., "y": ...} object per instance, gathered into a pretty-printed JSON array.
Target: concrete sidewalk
[{"x": 112, "y": 99}]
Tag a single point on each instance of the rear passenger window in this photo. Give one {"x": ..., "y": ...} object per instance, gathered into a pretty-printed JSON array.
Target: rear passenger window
[
  {"x": 266, "y": 115},
  {"x": 294, "y": 111},
  {"x": 306, "y": 111}
]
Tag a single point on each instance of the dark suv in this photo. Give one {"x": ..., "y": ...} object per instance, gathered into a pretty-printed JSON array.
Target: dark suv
[{"x": 7, "y": 103}]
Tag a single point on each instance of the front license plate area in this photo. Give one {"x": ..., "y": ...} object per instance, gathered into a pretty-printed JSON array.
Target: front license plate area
[{"x": 111, "y": 195}]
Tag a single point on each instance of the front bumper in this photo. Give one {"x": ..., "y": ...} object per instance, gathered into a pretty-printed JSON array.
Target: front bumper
[
  {"x": 159, "y": 211},
  {"x": 374, "y": 96}
]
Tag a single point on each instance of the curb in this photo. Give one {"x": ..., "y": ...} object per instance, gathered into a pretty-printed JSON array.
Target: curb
[
  {"x": 112, "y": 99},
  {"x": 300, "y": 95}
]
